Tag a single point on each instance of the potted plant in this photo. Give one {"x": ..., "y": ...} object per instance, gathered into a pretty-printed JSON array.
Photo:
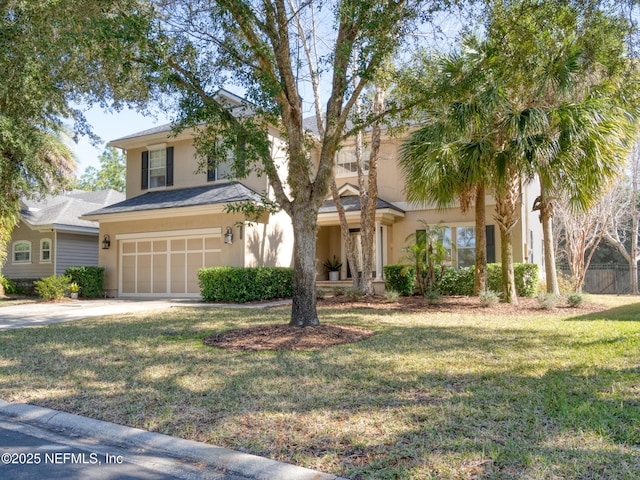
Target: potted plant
[
  {"x": 334, "y": 267},
  {"x": 74, "y": 288}
]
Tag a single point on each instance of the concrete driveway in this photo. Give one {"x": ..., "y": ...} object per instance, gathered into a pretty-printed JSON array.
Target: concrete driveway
[{"x": 36, "y": 314}]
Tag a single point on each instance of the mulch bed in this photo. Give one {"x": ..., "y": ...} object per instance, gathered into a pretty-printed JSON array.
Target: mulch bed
[{"x": 285, "y": 337}]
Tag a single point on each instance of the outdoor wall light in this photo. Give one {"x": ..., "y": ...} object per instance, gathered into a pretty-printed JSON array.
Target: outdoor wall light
[
  {"x": 106, "y": 242},
  {"x": 228, "y": 237}
]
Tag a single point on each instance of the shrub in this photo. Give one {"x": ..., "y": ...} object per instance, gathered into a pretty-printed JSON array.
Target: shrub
[
  {"x": 239, "y": 285},
  {"x": 90, "y": 280},
  {"x": 575, "y": 300},
  {"x": 400, "y": 278},
  {"x": 354, "y": 293},
  {"x": 433, "y": 297},
  {"x": 457, "y": 282},
  {"x": 9, "y": 287},
  {"x": 489, "y": 298},
  {"x": 391, "y": 295},
  {"x": 526, "y": 275},
  {"x": 52, "y": 288},
  {"x": 547, "y": 301}
]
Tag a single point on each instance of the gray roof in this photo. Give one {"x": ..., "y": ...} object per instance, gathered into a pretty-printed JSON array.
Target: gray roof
[
  {"x": 183, "y": 197},
  {"x": 351, "y": 203},
  {"x": 62, "y": 211}
]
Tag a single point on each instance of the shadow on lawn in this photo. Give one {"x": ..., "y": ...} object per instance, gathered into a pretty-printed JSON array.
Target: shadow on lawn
[
  {"x": 625, "y": 313},
  {"x": 383, "y": 416}
]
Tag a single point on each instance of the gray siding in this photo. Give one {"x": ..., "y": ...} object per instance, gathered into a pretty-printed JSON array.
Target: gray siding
[{"x": 76, "y": 250}]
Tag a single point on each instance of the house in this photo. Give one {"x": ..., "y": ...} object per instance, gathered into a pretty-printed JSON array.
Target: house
[
  {"x": 50, "y": 236},
  {"x": 396, "y": 219},
  {"x": 174, "y": 222}
]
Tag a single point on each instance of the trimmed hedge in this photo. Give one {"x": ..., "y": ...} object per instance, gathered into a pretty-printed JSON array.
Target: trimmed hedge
[
  {"x": 239, "y": 285},
  {"x": 460, "y": 282},
  {"x": 90, "y": 280},
  {"x": 400, "y": 278}
]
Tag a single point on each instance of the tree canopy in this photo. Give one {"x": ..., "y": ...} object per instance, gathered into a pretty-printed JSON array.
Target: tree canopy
[{"x": 111, "y": 175}]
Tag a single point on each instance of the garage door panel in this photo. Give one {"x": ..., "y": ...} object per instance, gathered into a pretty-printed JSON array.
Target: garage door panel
[{"x": 167, "y": 266}]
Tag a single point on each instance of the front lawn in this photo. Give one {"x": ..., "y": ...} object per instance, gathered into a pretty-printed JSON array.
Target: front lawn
[{"x": 433, "y": 394}]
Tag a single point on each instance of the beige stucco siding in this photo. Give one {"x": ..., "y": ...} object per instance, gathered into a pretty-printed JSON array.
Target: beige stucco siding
[{"x": 269, "y": 244}]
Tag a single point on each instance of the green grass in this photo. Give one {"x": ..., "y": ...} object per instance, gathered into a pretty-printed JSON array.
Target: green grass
[{"x": 431, "y": 395}]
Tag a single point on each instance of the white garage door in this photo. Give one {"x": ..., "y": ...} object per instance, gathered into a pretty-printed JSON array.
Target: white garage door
[{"x": 165, "y": 264}]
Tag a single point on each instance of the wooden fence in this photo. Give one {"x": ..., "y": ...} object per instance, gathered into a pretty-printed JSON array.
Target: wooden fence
[{"x": 604, "y": 278}]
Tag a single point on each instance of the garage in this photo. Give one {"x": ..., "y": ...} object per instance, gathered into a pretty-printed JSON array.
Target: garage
[{"x": 166, "y": 263}]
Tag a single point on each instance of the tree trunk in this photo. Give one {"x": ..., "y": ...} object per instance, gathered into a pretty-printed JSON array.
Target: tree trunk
[
  {"x": 633, "y": 264},
  {"x": 303, "y": 310},
  {"x": 546, "y": 217},
  {"x": 480, "y": 276},
  {"x": 507, "y": 195},
  {"x": 509, "y": 294}
]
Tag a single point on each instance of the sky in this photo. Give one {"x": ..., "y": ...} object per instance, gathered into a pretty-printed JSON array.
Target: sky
[{"x": 110, "y": 126}]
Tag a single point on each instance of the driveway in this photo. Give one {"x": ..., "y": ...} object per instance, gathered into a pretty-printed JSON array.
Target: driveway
[{"x": 36, "y": 314}]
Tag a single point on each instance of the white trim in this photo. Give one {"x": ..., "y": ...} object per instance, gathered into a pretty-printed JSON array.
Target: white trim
[
  {"x": 157, "y": 146},
  {"x": 49, "y": 260},
  {"x": 13, "y": 252},
  {"x": 170, "y": 234}
]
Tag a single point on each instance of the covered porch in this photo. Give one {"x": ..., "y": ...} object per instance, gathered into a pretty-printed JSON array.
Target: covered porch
[{"x": 330, "y": 241}]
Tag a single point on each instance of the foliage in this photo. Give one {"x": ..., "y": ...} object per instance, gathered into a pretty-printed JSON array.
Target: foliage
[
  {"x": 89, "y": 278},
  {"x": 111, "y": 175},
  {"x": 401, "y": 278},
  {"x": 52, "y": 288},
  {"x": 391, "y": 295},
  {"x": 239, "y": 285},
  {"x": 460, "y": 281},
  {"x": 457, "y": 281},
  {"x": 332, "y": 265},
  {"x": 547, "y": 301},
  {"x": 74, "y": 287},
  {"x": 575, "y": 300},
  {"x": 8, "y": 286},
  {"x": 428, "y": 254},
  {"x": 354, "y": 293},
  {"x": 489, "y": 298}
]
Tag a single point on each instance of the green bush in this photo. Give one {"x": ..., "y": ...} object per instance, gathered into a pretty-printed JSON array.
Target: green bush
[
  {"x": 401, "y": 278},
  {"x": 239, "y": 285},
  {"x": 457, "y": 282},
  {"x": 52, "y": 288},
  {"x": 460, "y": 281},
  {"x": 9, "y": 287},
  {"x": 575, "y": 300},
  {"x": 89, "y": 279}
]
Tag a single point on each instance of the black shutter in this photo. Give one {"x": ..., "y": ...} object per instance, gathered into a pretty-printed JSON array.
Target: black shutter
[
  {"x": 144, "y": 184},
  {"x": 491, "y": 243},
  {"x": 211, "y": 170},
  {"x": 169, "y": 174}
]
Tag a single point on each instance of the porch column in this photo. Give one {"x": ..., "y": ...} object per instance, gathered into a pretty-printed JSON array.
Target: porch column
[{"x": 378, "y": 236}]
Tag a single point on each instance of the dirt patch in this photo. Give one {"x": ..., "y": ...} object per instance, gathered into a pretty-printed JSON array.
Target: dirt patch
[{"x": 285, "y": 337}]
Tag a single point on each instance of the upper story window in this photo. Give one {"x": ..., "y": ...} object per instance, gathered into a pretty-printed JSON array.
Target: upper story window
[
  {"x": 157, "y": 168},
  {"x": 230, "y": 166},
  {"x": 346, "y": 163},
  {"x": 22, "y": 252},
  {"x": 45, "y": 250}
]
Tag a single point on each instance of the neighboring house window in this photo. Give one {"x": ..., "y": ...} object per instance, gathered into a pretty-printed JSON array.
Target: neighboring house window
[
  {"x": 157, "y": 168},
  {"x": 45, "y": 250},
  {"x": 346, "y": 163},
  {"x": 22, "y": 252}
]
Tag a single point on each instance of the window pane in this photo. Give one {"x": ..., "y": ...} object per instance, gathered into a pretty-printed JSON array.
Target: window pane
[
  {"x": 346, "y": 162},
  {"x": 22, "y": 252},
  {"x": 157, "y": 168},
  {"x": 466, "y": 237}
]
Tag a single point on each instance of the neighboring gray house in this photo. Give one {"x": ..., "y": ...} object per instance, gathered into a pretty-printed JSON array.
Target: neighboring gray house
[{"x": 50, "y": 237}]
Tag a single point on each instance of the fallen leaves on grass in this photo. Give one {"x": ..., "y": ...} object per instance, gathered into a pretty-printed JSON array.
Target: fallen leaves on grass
[{"x": 286, "y": 337}]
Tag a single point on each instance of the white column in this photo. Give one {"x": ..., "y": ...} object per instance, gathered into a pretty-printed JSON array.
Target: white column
[{"x": 378, "y": 238}]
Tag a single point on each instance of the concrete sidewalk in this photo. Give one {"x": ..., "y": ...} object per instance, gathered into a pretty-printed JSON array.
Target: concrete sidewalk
[
  {"x": 99, "y": 434},
  {"x": 40, "y": 313}
]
